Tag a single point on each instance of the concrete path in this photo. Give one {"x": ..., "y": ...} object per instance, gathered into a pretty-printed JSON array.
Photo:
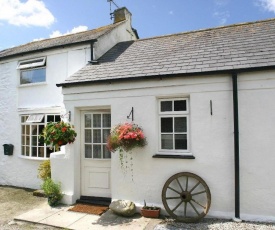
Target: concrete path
[{"x": 61, "y": 217}]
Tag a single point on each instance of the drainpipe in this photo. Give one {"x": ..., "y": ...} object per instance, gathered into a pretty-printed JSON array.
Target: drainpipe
[{"x": 236, "y": 147}]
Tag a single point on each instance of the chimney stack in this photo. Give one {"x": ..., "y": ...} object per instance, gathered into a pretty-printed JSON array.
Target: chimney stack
[{"x": 122, "y": 14}]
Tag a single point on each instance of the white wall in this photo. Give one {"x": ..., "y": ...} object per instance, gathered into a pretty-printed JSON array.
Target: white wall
[
  {"x": 211, "y": 138},
  {"x": 36, "y": 98}
]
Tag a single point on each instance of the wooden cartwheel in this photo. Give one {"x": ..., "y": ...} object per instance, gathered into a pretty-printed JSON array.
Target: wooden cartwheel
[{"x": 186, "y": 197}]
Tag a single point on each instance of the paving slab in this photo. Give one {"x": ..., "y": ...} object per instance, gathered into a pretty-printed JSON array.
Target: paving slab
[
  {"x": 38, "y": 214},
  {"x": 62, "y": 219}
]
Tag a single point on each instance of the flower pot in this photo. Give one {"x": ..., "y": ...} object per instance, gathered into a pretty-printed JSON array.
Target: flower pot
[{"x": 150, "y": 213}]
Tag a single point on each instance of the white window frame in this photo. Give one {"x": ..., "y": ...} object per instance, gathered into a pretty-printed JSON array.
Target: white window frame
[
  {"x": 28, "y": 135},
  {"x": 174, "y": 114},
  {"x": 31, "y": 65}
]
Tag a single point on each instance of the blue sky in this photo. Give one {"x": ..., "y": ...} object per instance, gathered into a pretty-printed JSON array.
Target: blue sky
[{"x": 23, "y": 21}]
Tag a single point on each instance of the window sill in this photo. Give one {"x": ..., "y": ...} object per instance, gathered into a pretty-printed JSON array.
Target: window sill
[
  {"x": 34, "y": 158},
  {"x": 170, "y": 156},
  {"x": 32, "y": 84}
]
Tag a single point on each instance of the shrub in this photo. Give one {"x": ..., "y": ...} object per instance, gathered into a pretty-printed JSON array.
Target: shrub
[{"x": 44, "y": 170}]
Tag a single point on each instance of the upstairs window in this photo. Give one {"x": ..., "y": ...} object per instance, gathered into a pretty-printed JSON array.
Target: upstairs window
[
  {"x": 32, "y": 71},
  {"x": 173, "y": 122}
]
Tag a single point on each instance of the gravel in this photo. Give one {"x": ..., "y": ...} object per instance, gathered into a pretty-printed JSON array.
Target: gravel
[
  {"x": 214, "y": 224},
  {"x": 15, "y": 201}
]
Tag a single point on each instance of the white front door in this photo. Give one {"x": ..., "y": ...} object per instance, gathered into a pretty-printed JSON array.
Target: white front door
[{"x": 95, "y": 158}]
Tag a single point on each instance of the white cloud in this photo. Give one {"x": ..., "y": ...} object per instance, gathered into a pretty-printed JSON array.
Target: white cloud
[
  {"x": 222, "y": 16},
  {"x": 268, "y": 5},
  {"x": 57, "y": 33},
  {"x": 29, "y": 13}
]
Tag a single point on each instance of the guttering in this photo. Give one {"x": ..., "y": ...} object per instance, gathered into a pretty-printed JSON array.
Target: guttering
[
  {"x": 236, "y": 146},
  {"x": 148, "y": 77}
]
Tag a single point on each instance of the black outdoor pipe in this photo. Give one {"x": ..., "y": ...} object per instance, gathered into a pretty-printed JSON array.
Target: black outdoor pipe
[{"x": 236, "y": 145}]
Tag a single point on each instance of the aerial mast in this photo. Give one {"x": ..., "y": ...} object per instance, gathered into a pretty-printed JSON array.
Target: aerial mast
[{"x": 111, "y": 13}]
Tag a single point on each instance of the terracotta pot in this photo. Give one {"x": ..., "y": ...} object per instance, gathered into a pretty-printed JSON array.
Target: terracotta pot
[{"x": 150, "y": 213}]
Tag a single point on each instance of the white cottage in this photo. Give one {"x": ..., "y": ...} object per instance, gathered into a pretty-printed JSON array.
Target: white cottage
[
  {"x": 205, "y": 101},
  {"x": 29, "y": 97}
]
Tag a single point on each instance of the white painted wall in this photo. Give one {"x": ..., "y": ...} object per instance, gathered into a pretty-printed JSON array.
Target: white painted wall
[
  {"x": 211, "y": 139},
  {"x": 41, "y": 98},
  {"x": 37, "y": 98}
]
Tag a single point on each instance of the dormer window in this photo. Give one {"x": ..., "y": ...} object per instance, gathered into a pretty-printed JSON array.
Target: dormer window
[{"x": 32, "y": 71}]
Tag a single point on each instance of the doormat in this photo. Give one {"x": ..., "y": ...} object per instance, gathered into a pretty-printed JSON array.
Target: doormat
[{"x": 89, "y": 208}]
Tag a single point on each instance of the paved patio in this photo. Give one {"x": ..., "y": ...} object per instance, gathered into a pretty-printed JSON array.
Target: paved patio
[{"x": 61, "y": 217}]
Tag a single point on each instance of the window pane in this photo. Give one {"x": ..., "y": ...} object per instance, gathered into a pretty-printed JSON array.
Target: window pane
[
  {"x": 180, "y": 124},
  {"x": 41, "y": 151},
  {"x": 181, "y": 141},
  {"x": 106, "y": 120},
  {"x": 88, "y": 121},
  {"x": 34, "y": 151},
  {"x": 27, "y": 140},
  {"x": 97, "y": 120},
  {"x": 96, "y": 136},
  {"x": 34, "y": 130},
  {"x": 167, "y": 141},
  {"x": 50, "y": 118},
  {"x": 27, "y": 151},
  {"x": 23, "y": 140},
  {"x": 166, "y": 124},
  {"x": 180, "y": 105},
  {"x": 97, "y": 151},
  {"x": 106, "y": 153},
  {"x": 57, "y": 118},
  {"x": 106, "y": 133},
  {"x": 33, "y": 76},
  {"x": 88, "y": 151},
  {"x": 88, "y": 136},
  {"x": 165, "y": 106},
  {"x": 34, "y": 140}
]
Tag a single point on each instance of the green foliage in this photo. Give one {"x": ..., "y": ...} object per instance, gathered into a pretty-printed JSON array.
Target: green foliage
[
  {"x": 58, "y": 133},
  {"x": 53, "y": 191},
  {"x": 44, "y": 170}
]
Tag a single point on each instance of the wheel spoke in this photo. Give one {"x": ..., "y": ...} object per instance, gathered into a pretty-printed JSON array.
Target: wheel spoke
[
  {"x": 197, "y": 193},
  {"x": 195, "y": 186},
  {"x": 177, "y": 206},
  {"x": 199, "y": 204},
  {"x": 174, "y": 190},
  {"x": 186, "y": 187},
  {"x": 179, "y": 184},
  {"x": 171, "y": 198},
  {"x": 194, "y": 208},
  {"x": 185, "y": 208}
]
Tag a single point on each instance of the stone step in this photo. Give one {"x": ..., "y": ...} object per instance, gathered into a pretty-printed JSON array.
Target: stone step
[{"x": 94, "y": 200}]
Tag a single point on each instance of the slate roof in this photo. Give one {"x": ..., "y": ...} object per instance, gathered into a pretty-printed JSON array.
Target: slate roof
[
  {"x": 71, "y": 39},
  {"x": 235, "y": 47}
]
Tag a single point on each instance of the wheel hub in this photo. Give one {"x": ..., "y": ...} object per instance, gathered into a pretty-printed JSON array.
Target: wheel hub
[{"x": 186, "y": 196}]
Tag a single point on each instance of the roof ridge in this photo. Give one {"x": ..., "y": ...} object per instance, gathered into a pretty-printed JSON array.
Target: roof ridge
[
  {"x": 65, "y": 35},
  {"x": 207, "y": 29}
]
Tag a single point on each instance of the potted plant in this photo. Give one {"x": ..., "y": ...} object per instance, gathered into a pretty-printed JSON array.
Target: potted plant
[
  {"x": 58, "y": 133},
  {"x": 150, "y": 211},
  {"x": 53, "y": 192}
]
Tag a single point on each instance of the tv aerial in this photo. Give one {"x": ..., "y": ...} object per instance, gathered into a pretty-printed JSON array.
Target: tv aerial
[{"x": 111, "y": 13}]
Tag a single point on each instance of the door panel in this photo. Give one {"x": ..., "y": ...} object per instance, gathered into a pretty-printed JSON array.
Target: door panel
[{"x": 95, "y": 157}]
